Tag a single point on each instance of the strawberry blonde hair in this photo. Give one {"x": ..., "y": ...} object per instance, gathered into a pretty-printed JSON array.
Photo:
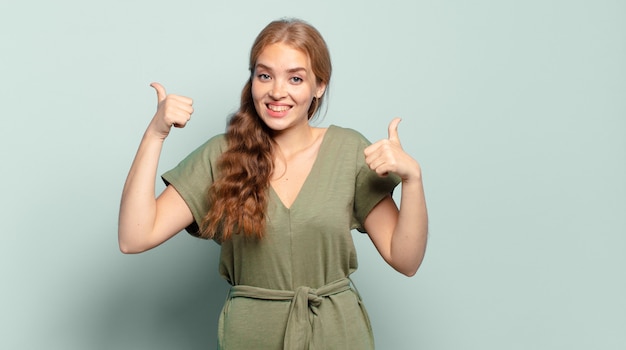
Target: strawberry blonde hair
[{"x": 238, "y": 198}]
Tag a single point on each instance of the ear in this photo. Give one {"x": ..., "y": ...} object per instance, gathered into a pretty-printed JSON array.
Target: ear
[{"x": 321, "y": 88}]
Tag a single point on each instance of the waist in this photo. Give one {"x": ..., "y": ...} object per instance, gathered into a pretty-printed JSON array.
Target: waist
[
  {"x": 303, "y": 328},
  {"x": 313, "y": 295}
]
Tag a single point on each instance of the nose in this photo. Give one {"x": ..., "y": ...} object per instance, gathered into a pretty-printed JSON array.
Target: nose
[{"x": 277, "y": 91}]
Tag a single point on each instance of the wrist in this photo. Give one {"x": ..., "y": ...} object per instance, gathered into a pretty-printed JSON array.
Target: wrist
[
  {"x": 414, "y": 174},
  {"x": 152, "y": 136}
]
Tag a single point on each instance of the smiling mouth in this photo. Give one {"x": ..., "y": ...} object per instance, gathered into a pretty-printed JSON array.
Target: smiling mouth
[{"x": 278, "y": 108}]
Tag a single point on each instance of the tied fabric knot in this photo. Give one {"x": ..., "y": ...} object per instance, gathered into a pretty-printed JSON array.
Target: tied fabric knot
[
  {"x": 304, "y": 327},
  {"x": 301, "y": 325}
]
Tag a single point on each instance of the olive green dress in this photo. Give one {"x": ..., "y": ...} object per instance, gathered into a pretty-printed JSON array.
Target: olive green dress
[{"x": 291, "y": 289}]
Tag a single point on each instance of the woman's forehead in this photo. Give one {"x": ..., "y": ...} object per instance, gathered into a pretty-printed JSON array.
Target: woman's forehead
[{"x": 281, "y": 56}]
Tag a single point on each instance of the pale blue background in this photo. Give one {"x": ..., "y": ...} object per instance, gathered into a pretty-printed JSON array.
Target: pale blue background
[{"x": 515, "y": 109}]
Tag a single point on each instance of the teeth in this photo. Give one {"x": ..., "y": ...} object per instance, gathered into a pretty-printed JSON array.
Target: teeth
[{"x": 278, "y": 108}]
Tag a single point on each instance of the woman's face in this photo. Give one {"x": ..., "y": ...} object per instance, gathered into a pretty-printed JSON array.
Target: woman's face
[{"x": 283, "y": 87}]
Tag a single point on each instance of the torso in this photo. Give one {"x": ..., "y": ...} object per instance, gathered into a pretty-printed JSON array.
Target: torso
[{"x": 307, "y": 244}]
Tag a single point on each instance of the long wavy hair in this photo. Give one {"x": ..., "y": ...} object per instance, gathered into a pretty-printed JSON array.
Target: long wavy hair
[{"x": 239, "y": 196}]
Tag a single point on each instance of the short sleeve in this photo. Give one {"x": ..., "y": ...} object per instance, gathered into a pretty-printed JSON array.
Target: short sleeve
[
  {"x": 193, "y": 176},
  {"x": 370, "y": 188}
]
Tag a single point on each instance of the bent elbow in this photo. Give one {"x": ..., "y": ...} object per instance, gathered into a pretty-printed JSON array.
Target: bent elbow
[
  {"x": 408, "y": 272},
  {"x": 126, "y": 249},
  {"x": 127, "y": 246}
]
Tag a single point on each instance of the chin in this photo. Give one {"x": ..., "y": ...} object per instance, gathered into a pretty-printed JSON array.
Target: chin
[{"x": 274, "y": 123}]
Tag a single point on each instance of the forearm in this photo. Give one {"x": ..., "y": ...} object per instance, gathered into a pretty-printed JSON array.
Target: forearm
[
  {"x": 408, "y": 243},
  {"x": 138, "y": 205},
  {"x": 400, "y": 236}
]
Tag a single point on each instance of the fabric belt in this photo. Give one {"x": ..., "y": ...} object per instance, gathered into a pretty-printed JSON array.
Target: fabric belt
[{"x": 303, "y": 324}]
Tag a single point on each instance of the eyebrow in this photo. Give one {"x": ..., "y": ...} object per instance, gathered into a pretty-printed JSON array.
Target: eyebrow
[{"x": 290, "y": 70}]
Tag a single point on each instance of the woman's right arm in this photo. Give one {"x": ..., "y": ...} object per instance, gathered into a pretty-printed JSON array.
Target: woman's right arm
[{"x": 146, "y": 221}]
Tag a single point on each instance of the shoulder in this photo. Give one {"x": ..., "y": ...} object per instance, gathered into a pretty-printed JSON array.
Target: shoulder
[
  {"x": 347, "y": 135},
  {"x": 212, "y": 148},
  {"x": 346, "y": 145},
  {"x": 216, "y": 142},
  {"x": 206, "y": 155}
]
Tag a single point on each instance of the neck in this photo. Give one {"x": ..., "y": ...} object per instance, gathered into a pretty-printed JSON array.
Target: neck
[{"x": 294, "y": 140}]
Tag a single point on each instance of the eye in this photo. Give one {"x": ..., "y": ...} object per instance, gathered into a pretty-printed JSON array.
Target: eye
[
  {"x": 296, "y": 80},
  {"x": 263, "y": 76}
]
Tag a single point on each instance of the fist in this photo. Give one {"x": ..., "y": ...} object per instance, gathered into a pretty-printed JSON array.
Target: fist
[
  {"x": 172, "y": 110},
  {"x": 387, "y": 156}
]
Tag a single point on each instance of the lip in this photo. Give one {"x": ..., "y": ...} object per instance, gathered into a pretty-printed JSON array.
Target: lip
[{"x": 277, "y": 114}]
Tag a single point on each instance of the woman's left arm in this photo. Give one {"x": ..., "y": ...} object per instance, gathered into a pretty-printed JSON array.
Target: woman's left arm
[{"x": 399, "y": 235}]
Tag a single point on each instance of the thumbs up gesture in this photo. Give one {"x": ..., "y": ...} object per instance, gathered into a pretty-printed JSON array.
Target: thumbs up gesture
[
  {"x": 387, "y": 156},
  {"x": 172, "y": 110}
]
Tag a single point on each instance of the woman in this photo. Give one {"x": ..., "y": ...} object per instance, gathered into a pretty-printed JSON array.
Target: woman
[{"x": 281, "y": 197}]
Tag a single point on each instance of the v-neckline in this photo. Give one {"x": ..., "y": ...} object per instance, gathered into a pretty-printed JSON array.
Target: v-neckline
[{"x": 308, "y": 176}]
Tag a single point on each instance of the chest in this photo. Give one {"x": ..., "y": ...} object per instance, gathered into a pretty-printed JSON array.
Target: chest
[{"x": 291, "y": 174}]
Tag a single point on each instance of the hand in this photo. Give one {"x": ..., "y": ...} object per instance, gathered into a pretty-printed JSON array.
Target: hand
[
  {"x": 387, "y": 156},
  {"x": 172, "y": 110}
]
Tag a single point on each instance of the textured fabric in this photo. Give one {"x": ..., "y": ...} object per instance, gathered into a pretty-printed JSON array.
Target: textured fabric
[
  {"x": 307, "y": 247},
  {"x": 303, "y": 319}
]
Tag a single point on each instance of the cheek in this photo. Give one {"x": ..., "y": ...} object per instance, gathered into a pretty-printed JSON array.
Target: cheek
[
  {"x": 257, "y": 92},
  {"x": 304, "y": 96}
]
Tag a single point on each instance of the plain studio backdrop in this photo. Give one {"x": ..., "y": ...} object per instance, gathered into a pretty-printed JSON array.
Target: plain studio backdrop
[{"x": 516, "y": 111}]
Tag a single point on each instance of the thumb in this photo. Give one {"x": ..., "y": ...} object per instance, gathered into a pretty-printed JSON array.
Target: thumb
[
  {"x": 393, "y": 130},
  {"x": 160, "y": 90}
]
